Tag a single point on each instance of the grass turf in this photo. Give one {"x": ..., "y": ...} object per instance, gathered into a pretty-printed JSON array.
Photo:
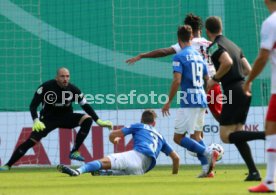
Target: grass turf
[{"x": 47, "y": 181}]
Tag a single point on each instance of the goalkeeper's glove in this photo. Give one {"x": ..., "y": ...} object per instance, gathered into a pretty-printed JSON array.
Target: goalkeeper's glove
[
  {"x": 107, "y": 124},
  {"x": 38, "y": 125}
]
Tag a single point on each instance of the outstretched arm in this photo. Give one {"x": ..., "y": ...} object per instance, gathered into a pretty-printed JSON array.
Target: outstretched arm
[
  {"x": 152, "y": 54},
  {"x": 175, "y": 159}
]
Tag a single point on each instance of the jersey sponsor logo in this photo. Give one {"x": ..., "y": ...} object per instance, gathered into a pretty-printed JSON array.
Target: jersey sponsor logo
[
  {"x": 213, "y": 49},
  {"x": 39, "y": 90},
  {"x": 175, "y": 63}
]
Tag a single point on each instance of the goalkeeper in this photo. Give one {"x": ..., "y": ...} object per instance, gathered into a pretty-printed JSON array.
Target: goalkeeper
[{"x": 57, "y": 96}]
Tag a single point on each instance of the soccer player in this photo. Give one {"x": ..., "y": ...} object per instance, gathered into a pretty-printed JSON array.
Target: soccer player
[
  {"x": 268, "y": 50},
  {"x": 200, "y": 44},
  {"x": 148, "y": 143},
  {"x": 189, "y": 71},
  {"x": 231, "y": 69},
  {"x": 56, "y": 97}
]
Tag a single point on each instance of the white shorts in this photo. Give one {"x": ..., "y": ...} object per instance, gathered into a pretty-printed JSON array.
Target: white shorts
[
  {"x": 130, "y": 162},
  {"x": 189, "y": 120}
]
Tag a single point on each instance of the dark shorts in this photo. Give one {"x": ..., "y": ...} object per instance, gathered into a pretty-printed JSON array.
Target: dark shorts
[
  {"x": 67, "y": 121},
  {"x": 235, "y": 110}
]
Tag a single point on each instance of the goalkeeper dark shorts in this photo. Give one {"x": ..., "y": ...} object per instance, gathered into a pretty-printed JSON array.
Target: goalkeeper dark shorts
[
  {"x": 67, "y": 121},
  {"x": 235, "y": 109}
]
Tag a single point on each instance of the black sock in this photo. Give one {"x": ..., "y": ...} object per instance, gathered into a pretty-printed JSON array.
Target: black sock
[
  {"x": 82, "y": 134},
  {"x": 244, "y": 136},
  {"x": 20, "y": 151},
  {"x": 245, "y": 152}
]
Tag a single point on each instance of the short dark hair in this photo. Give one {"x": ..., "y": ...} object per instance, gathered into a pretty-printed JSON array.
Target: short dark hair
[
  {"x": 213, "y": 24},
  {"x": 184, "y": 33},
  {"x": 148, "y": 116},
  {"x": 194, "y": 21}
]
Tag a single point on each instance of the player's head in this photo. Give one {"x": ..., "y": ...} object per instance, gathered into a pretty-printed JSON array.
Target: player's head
[
  {"x": 63, "y": 77},
  {"x": 195, "y": 22},
  {"x": 148, "y": 117},
  {"x": 184, "y": 34},
  {"x": 213, "y": 26},
  {"x": 271, "y": 5}
]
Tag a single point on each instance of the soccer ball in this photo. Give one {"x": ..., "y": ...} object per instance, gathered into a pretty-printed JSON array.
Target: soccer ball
[
  {"x": 218, "y": 148},
  {"x": 212, "y": 146}
]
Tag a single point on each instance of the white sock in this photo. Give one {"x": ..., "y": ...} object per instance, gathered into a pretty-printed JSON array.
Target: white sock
[{"x": 271, "y": 158}]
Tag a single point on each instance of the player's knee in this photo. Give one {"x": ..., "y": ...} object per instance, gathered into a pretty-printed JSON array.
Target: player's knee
[
  {"x": 196, "y": 136},
  {"x": 87, "y": 122},
  {"x": 224, "y": 138},
  {"x": 85, "y": 118},
  {"x": 177, "y": 139},
  {"x": 86, "y": 125}
]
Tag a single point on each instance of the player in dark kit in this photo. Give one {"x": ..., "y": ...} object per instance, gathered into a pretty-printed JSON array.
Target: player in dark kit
[
  {"x": 232, "y": 67},
  {"x": 57, "y": 96}
]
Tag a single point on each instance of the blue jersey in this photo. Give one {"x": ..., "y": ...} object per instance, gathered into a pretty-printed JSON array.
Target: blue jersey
[
  {"x": 147, "y": 141},
  {"x": 193, "y": 68}
]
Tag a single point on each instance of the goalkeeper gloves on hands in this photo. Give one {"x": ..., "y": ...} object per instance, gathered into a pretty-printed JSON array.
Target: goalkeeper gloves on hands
[
  {"x": 107, "y": 124},
  {"x": 38, "y": 125}
]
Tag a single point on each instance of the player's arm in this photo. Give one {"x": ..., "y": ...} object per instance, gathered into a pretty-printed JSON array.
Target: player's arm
[
  {"x": 152, "y": 54},
  {"x": 168, "y": 150},
  {"x": 37, "y": 99},
  {"x": 174, "y": 88},
  {"x": 175, "y": 160},
  {"x": 225, "y": 65},
  {"x": 245, "y": 66},
  {"x": 258, "y": 66},
  {"x": 90, "y": 111},
  {"x": 116, "y": 135}
]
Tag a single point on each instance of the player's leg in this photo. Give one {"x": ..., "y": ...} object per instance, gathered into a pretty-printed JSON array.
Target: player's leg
[
  {"x": 89, "y": 167},
  {"x": 29, "y": 143},
  {"x": 269, "y": 183},
  {"x": 197, "y": 135},
  {"x": 73, "y": 120},
  {"x": 187, "y": 119}
]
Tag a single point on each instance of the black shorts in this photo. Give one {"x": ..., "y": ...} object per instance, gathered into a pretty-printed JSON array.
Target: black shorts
[
  {"x": 67, "y": 121},
  {"x": 236, "y": 109}
]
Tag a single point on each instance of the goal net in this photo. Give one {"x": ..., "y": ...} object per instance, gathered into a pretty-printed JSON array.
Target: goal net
[{"x": 93, "y": 39}]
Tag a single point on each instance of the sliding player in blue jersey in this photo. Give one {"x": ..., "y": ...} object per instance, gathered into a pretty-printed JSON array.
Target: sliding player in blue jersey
[
  {"x": 190, "y": 71},
  {"x": 148, "y": 143}
]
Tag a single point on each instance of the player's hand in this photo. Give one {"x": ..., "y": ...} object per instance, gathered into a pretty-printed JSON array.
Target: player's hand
[
  {"x": 133, "y": 60},
  {"x": 165, "y": 109},
  {"x": 107, "y": 124},
  {"x": 247, "y": 88},
  {"x": 116, "y": 140},
  {"x": 210, "y": 84},
  {"x": 38, "y": 125}
]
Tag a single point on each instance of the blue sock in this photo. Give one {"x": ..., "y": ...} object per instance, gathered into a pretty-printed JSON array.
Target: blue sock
[
  {"x": 192, "y": 145},
  {"x": 201, "y": 142},
  {"x": 91, "y": 166},
  {"x": 203, "y": 160}
]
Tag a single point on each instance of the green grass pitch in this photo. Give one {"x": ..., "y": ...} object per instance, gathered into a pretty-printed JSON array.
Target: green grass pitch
[{"x": 160, "y": 181}]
